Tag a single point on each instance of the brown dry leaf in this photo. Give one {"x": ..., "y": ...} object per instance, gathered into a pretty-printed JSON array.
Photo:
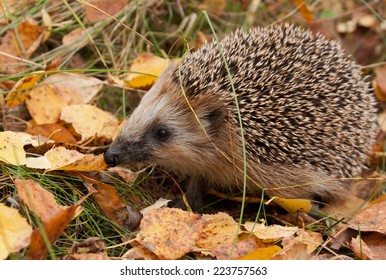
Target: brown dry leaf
[
  {"x": 15, "y": 232},
  {"x": 29, "y": 34},
  {"x": 217, "y": 229},
  {"x": 93, "y": 248},
  {"x": 215, "y": 7},
  {"x": 346, "y": 208},
  {"x": 54, "y": 131},
  {"x": 200, "y": 40},
  {"x": 64, "y": 159},
  {"x": 304, "y": 10},
  {"x": 372, "y": 218},
  {"x": 126, "y": 174},
  {"x": 85, "y": 86},
  {"x": 53, "y": 228},
  {"x": 20, "y": 90},
  {"x": 139, "y": 252},
  {"x": 89, "y": 256},
  {"x": 56, "y": 96},
  {"x": 169, "y": 233},
  {"x": 11, "y": 149},
  {"x": 371, "y": 247},
  {"x": 312, "y": 239},
  {"x": 293, "y": 205},
  {"x": 297, "y": 251},
  {"x": 145, "y": 70},
  {"x": 112, "y": 205},
  {"x": 261, "y": 253},
  {"x": 38, "y": 200},
  {"x": 72, "y": 37},
  {"x": 235, "y": 251},
  {"x": 382, "y": 123},
  {"x": 93, "y": 7},
  {"x": 90, "y": 121},
  {"x": 270, "y": 233},
  {"x": 379, "y": 83}
]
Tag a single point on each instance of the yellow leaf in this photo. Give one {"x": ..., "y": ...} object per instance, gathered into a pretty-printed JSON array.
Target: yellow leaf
[
  {"x": 293, "y": 205},
  {"x": 20, "y": 90},
  {"x": 48, "y": 23},
  {"x": 85, "y": 86},
  {"x": 261, "y": 253},
  {"x": 90, "y": 121},
  {"x": 56, "y": 96},
  {"x": 63, "y": 159},
  {"x": 169, "y": 233},
  {"x": 15, "y": 232},
  {"x": 217, "y": 229},
  {"x": 145, "y": 70},
  {"x": 11, "y": 148},
  {"x": 270, "y": 233}
]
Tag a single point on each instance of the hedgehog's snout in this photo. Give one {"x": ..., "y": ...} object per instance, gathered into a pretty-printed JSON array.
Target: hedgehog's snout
[{"x": 111, "y": 158}]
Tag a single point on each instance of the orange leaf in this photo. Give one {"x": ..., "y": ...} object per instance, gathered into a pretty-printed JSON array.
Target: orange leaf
[{"x": 53, "y": 229}]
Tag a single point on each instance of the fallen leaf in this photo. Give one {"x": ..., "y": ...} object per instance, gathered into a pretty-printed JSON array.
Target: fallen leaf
[
  {"x": 38, "y": 163},
  {"x": 112, "y": 205},
  {"x": 53, "y": 228},
  {"x": 54, "y": 131},
  {"x": 235, "y": 251},
  {"x": 160, "y": 203},
  {"x": 169, "y": 233},
  {"x": 379, "y": 83},
  {"x": 90, "y": 121},
  {"x": 64, "y": 159},
  {"x": 304, "y": 10},
  {"x": 21, "y": 89},
  {"x": 85, "y": 86},
  {"x": 92, "y": 248},
  {"x": 345, "y": 208},
  {"x": 47, "y": 21},
  {"x": 11, "y": 148},
  {"x": 312, "y": 239},
  {"x": 73, "y": 36},
  {"x": 261, "y": 253},
  {"x": 29, "y": 34},
  {"x": 215, "y": 7},
  {"x": 93, "y": 7},
  {"x": 372, "y": 218},
  {"x": 297, "y": 251},
  {"x": 269, "y": 233},
  {"x": 38, "y": 200},
  {"x": 126, "y": 174},
  {"x": 293, "y": 205},
  {"x": 15, "y": 232},
  {"x": 57, "y": 96},
  {"x": 371, "y": 247},
  {"x": 139, "y": 252},
  {"x": 145, "y": 70},
  {"x": 217, "y": 229}
]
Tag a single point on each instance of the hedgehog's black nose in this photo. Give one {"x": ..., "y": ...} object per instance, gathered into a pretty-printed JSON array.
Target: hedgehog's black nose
[{"x": 111, "y": 158}]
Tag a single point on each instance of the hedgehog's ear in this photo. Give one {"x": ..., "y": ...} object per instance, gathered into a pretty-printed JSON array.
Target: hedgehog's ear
[{"x": 214, "y": 118}]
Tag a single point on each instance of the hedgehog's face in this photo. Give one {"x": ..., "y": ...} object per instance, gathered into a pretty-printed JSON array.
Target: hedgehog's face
[{"x": 163, "y": 130}]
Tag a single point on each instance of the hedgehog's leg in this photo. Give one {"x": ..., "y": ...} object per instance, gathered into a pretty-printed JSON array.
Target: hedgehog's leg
[{"x": 194, "y": 194}]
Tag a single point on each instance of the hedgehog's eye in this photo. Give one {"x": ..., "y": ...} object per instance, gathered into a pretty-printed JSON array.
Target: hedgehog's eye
[{"x": 162, "y": 133}]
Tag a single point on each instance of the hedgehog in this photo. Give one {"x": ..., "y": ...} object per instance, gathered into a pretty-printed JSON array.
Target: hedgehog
[{"x": 276, "y": 109}]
